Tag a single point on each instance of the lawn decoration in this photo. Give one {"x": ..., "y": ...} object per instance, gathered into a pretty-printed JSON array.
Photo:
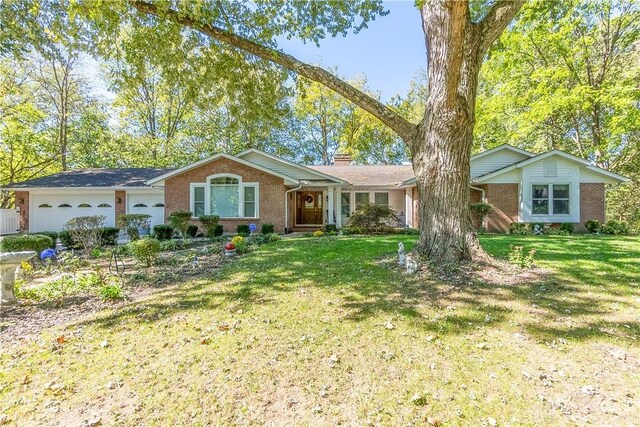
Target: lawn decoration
[
  {"x": 229, "y": 249},
  {"x": 401, "y": 256}
]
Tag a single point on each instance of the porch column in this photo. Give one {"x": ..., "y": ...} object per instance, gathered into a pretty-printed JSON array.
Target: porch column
[
  {"x": 408, "y": 206},
  {"x": 339, "y": 206},
  {"x": 330, "y": 217}
]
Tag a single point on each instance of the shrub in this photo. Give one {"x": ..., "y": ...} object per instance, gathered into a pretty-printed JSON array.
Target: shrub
[
  {"x": 163, "y": 231},
  {"x": 243, "y": 230},
  {"x": 109, "y": 236},
  {"x": 330, "y": 228},
  {"x": 238, "y": 239},
  {"x": 267, "y": 229},
  {"x": 218, "y": 231},
  {"x": 210, "y": 224},
  {"x": 242, "y": 246},
  {"x": 132, "y": 222},
  {"x": 408, "y": 231},
  {"x": 86, "y": 230},
  {"x": 518, "y": 228},
  {"x": 351, "y": 230},
  {"x": 567, "y": 228},
  {"x": 479, "y": 212},
  {"x": 145, "y": 251},
  {"x": 25, "y": 242},
  {"x": 172, "y": 245},
  {"x": 592, "y": 225},
  {"x": 192, "y": 230},
  {"x": 179, "y": 220},
  {"x": 615, "y": 228},
  {"x": 112, "y": 291},
  {"x": 371, "y": 218},
  {"x": 273, "y": 237},
  {"x": 52, "y": 234},
  {"x": 67, "y": 241},
  {"x": 318, "y": 233},
  {"x": 519, "y": 258}
]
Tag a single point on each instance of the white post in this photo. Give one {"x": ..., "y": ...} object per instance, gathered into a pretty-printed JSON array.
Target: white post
[
  {"x": 408, "y": 207},
  {"x": 338, "y": 206},
  {"x": 330, "y": 218}
]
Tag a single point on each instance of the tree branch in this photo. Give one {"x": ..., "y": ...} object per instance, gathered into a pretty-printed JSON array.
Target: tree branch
[
  {"x": 386, "y": 115},
  {"x": 501, "y": 13}
]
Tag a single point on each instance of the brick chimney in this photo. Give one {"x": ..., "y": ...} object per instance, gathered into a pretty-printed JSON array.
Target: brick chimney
[{"x": 341, "y": 159}]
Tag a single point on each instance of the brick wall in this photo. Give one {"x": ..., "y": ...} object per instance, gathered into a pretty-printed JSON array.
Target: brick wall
[
  {"x": 505, "y": 200},
  {"x": 592, "y": 204},
  {"x": 271, "y": 192},
  {"x": 121, "y": 203},
  {"x": 22, "y": 203},
  {"x": 475, "y": 196}
]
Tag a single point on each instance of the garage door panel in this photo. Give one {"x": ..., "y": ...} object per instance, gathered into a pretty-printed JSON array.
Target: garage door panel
[
  {"x": 147, "y": 204},
  {"x": 53, "y": 211}
]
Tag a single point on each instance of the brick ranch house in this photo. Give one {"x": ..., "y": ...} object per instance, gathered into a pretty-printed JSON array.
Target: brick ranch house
[{"x": 257, "y": 187}]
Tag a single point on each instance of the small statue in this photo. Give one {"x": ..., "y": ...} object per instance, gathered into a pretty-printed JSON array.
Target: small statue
[
  {"x": 401, "y": 256},
  {"x": 195, "y": 262},
  {"x": 411, "y": 265},
  {"x": 537, "y": 230}
]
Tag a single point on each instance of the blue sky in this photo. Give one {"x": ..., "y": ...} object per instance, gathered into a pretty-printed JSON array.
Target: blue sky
[{"x": 389, "y": 52}]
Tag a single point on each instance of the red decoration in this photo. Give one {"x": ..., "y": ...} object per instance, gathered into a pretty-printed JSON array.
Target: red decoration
[{"x": 229, "y": 246}]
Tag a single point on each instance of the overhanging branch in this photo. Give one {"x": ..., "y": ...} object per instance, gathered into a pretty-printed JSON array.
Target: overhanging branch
[
  {"x": 501, "y": 13},
  {"x": 386, "y": 115}
]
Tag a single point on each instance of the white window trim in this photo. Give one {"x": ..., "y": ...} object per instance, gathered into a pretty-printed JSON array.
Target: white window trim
[
  {"x": 241, "y": 186},
  {"x": 550, "y": 213}
]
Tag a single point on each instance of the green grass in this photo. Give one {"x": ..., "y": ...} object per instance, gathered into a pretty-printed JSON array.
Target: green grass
[{"x": 325, "y": 331}]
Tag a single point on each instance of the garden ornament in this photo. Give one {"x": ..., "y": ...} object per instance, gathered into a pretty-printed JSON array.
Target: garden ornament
[
  {"x": 195, "y": 263},
  {"x": 537, "y": 230},
  {"x": 401, "y": 256},
  {"x": 49, "y": 254},
  {"x": 252, "y": 228},
  {"x": 412, "y": 265},
  {"x": 9, "y": 262},
  {"x": 116, "y": 264}
]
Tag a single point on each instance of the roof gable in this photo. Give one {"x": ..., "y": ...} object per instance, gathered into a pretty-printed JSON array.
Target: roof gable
[
  {"x": 294, "y": 170},
  {"x": 585, "y": 163},
  {"x": 287, "y": 179},
  {"x": 497, "y": 158}
]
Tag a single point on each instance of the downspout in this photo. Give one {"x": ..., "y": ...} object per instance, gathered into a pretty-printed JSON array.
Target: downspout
[
  {"x": 286, "y": 206},
  {"x": 484, "y": 200}
]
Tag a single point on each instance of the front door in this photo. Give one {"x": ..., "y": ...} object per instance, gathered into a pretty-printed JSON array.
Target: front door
[{"x": 309, "y": 209}]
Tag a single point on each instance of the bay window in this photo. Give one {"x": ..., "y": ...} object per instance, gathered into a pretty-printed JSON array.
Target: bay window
[{"x": 226, "y": 196}]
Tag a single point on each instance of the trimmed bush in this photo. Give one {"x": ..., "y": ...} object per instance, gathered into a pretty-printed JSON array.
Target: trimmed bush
[
  {"x": 86, "y": 230},
  {"x": 145, "y": 251},
  {"x": 209, "y": 223},
  {"x": 592, "y": 226},
  {"x": 351, "y": 230},
  {"x": 518, "y": 228},
  {"x": 132, "y": 222},
  {"x": 330, "y": 228},
  {"x": 163, "y": 231},
  {"x": 238, "y": 239},
  {"x": 218, "y": 231},
  {"x": 267, "y": 229},
  {"x": 52, "y": 234},
  {"x": 192, "y": 230},
  {"x": 109, "y": 236},
  {"x": 615, "y": 228},
  {"x": 67, "y": 241},
  {"x": 372, "y": 218},
  {"x": 25, "y": 242},
  {"x": 243, "y": 230},
  {"x": 179, "y": 220},
  {"x": 479, "y": 212},
  {"x": 566, "y": 228},
  {"x": 273, "y": 237}
]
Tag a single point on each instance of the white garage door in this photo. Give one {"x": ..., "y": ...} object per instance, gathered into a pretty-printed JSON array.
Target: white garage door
[
  {"x": 50, "y": 212},
  {"x": 147, "y": 203}
]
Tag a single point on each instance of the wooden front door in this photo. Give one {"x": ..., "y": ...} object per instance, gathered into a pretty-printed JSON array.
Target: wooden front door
[{"x": 309, "y": 208}]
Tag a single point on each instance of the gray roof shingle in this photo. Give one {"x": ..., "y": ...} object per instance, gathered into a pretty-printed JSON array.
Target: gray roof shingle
[
  {"x": 369, "y": 175},
  {"x": 94, "y": 178}
]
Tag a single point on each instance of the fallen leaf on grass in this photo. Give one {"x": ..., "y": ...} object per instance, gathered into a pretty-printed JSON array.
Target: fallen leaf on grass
[
  {"x": 434, "y": 421},
  {"x": 389, "y": 325},
  {"x": 224, "y": 327},
  {"x": 61, "y": 339},
  {"x": 205, "y": 340},
  {"x": 482, "y": 345}
]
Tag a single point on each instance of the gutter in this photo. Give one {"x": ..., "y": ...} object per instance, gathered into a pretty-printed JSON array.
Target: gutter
[{"x": 286, "y": 206}]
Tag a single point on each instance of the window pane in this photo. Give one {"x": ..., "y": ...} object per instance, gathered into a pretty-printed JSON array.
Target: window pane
[
  {"x": 345, "y": 204},
  {"x": 224, "y": 180},
  {"x": 560, "y": 192},
  {"x": 250, "y": 202},
  {"x": 381, "y": 199},
  {"x": 540, "y": 207},
  {"x": 198, "y": 194},
  {"x": 198, "y": 209},
  {"x": 540, "y": 191},
  {"x": 561, "y": 207},
  {"x": 362, "y": 199},
  {"x": 225, "y": 201}
]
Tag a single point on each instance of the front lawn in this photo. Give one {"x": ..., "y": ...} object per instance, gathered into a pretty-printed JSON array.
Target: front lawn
[{"x": 326, "y": 331}]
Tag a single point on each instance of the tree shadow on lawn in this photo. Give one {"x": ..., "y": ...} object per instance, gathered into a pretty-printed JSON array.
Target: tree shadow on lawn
[{"x": 354, "y": 271}]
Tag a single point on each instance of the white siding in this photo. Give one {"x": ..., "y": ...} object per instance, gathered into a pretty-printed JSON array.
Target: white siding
[
  {"x": 589, "y": 176},
  {"x": 151, "y": 202},
  {"x": 280, "y": 167},
  {"x": 512, "y": 177},
  {"x": 495, "y": 161},
  {"x": 54, "y": 218}
]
